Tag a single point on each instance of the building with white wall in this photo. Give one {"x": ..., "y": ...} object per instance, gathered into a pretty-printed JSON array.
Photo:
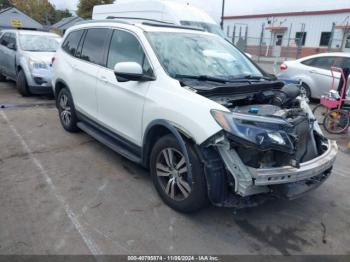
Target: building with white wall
[{"x": 289, "y": 33}]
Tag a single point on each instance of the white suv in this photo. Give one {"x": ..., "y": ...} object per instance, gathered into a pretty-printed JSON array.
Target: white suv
[{"x": 208, "y": 123}]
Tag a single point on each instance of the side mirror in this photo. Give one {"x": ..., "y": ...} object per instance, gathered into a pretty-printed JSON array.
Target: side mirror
[
  {"x": 130, "y": 71},
  {"x": 11, "y": 46}
]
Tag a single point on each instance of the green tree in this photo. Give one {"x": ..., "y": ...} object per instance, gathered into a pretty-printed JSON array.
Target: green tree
[
  {"x": 60, "y": 14},
  {"x": 85, "y": 7},
  {"x": 4, "y": 4},
  {"x": 40, "y": 10}
]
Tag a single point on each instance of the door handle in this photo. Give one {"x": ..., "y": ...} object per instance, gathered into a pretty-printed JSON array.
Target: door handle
[
  {"x": 104, "y": 79},
  {"x": 312, "y": 71}
]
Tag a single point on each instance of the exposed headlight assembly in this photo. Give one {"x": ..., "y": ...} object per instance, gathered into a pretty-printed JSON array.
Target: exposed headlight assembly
[{"x": 262, "y": 132}]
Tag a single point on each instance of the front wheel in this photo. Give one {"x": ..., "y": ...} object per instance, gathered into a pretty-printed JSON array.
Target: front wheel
[
  {"x": 336, "y": 121},
  {"x": 320, "y": 111},
  {"x": 180, "y": 184},
  {"x": 22, "y": 85}
]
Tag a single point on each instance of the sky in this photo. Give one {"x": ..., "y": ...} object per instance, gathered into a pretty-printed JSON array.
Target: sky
[{"x": 243, "y": 7}]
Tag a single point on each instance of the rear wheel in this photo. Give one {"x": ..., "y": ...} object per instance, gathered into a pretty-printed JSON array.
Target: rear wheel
[
  {"x": 336, "y": 121},
  {"x": 180, "y": 184},
  {"x": 320, "y": 111},
  {"x": 22, "y": 85},
  {"x": 66, "y": 111}
]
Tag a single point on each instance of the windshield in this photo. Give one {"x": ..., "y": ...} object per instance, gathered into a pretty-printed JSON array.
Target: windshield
[
  {"x": 211, "y": 28},
  {"x": 200, "y": 55},
  {"x": 39, "y": 43}
]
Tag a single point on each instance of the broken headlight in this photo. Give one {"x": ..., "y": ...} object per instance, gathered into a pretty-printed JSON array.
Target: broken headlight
[{"x": 251, "y": 130}]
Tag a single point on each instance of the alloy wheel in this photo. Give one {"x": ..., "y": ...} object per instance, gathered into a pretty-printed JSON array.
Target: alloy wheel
[
  {"x": 66, "y": 113},
  {"x": 172, "y": 173}
]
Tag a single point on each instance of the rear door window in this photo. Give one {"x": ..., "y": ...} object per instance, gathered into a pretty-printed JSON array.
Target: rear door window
[
  {"x": 94, "y": 45},
  {"x": 71, "y": 43}
]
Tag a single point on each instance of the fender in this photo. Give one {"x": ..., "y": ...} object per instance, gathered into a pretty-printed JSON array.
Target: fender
[
  {"x": 146, "y": 145},
  {"x": 59, "y": 81},
  {"x": 305, "y": 79},
  {"x": 213, "y": 168}
]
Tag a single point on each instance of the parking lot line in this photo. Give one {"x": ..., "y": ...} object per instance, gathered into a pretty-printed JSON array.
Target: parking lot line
[{"x": 90, "y": 243}]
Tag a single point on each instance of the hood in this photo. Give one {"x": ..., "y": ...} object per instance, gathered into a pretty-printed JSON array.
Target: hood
[
  {"x": 209, "y": 88},
  {"x": 41, "y": 56}
]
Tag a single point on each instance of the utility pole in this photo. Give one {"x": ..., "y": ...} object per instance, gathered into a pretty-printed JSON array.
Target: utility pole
[{"x": 222, "y": 14}]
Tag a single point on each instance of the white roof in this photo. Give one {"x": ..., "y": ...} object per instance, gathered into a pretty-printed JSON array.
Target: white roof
[
  {"x": 135, "y": 26},
  {"x": 163, "y": 10}
]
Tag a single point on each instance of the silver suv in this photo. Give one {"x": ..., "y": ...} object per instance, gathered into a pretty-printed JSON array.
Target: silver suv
[{"x": 25, "y": 57}]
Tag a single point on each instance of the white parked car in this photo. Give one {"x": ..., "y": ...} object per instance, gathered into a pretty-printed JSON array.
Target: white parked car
[
  {"x": 189, "y": 106},
  {"x": 314, "y": 72}
]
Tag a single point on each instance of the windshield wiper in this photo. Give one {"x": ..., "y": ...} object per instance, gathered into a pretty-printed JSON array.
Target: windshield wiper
[
  {"x": 202, "y": 78},
  {"x": 257, "y": 77},
  {"x": 211, "y": 78}
]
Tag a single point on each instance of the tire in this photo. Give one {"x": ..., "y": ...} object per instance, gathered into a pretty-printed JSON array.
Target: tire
[
  {"x": 2, "y": 78},
  {"x": 336, "y": 121},
  {"x": 306, "y": 90},
  {"x": 320, "y": 111},
  {"x": 66, "y": 111},
  {"x": 22, "y": 85},
  {"x": 169, "y": 170}
]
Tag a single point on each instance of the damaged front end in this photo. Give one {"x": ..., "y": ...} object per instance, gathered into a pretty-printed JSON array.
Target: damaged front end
[{"x": 270, "y": 146}]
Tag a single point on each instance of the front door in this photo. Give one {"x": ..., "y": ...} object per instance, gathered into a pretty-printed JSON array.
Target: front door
[
  {"x": 276, "y": 52},
  {"x": 346, "y": 44},
  {"x": 121, "y": 103}
]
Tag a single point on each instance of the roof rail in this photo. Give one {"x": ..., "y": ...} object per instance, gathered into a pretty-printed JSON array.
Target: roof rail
[
  {"x": 102, "y": 21},
  {"x": 138, "y": 18},
  {"x": 173, "y": 26},
  {"x": 148, "y": 22}
]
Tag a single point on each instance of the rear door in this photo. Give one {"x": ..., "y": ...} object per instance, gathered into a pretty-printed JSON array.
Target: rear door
[
  {"x": 91, "y": 57},
  {"x": 345, "y": 63}
]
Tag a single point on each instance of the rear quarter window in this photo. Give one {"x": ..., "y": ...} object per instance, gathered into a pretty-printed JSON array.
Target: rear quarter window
[{"x": 70, "y": 45}]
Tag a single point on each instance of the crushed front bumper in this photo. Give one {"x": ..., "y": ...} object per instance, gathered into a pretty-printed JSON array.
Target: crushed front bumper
[
  {"x": 289, "y": 174},
  {"x": 289, "y": 182}
]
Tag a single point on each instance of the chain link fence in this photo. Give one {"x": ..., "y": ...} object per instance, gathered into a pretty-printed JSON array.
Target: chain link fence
[
  {"x": 269, "y": 47},
  {"x": 280, "y": 46}
]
